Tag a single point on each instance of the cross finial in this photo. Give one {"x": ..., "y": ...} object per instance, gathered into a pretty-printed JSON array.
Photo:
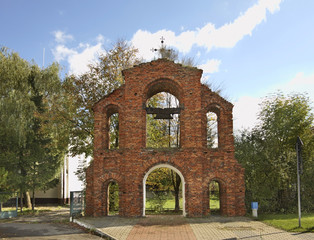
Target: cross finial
[{"x": 162, "y": 40}]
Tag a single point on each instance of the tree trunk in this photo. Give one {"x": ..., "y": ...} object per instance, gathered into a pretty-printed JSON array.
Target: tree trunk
[
  {"x": 33, "y": 205},
  {"x": 177, "y": 191},
  {"x": 176, "y": 180},
  {"x": 21, "y": 200},
  {"x": 28, "y": 200}
]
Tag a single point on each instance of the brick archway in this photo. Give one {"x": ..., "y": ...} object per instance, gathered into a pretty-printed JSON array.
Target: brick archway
[
  {"x": 195, "y": 163},
  {"x": 164, "y": 165},
  {"x": 163, "y": 85}
]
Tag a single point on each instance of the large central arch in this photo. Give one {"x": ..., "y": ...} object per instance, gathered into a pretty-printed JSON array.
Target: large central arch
[{"x": 163, "y": 165}]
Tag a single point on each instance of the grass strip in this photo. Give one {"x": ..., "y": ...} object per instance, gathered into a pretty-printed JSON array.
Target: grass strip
[{"x": 289, "y": 222}]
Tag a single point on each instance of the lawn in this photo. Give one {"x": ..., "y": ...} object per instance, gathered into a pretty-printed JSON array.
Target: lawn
[
  {"x": 289, "y": 222},
  {"x": 169, "y": 205},
  {"x": 214, "y": 203},
  {"x": 37, "y": 211}
]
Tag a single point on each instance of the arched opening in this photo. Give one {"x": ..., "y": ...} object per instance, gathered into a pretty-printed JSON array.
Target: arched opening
[
  {"x": 113, "y": 123},
  {"x": 113, "y": 198},
  {"x": 212, "y": 130},
  {"x": 111, "y": 127},
  {"x": 160, "y": 186},
  {"x": 163, "y": 121},
  {"x": 214, "y": 197}
]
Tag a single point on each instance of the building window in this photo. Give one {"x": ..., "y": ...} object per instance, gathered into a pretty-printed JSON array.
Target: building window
[
  {"x": 114, "y": 131},
  {"x": 163, "y": 121},
  {"x": 212, "y": 130}
]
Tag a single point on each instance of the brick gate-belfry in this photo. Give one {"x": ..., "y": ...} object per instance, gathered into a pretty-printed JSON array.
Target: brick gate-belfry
[{"x": 193, "y": 161}]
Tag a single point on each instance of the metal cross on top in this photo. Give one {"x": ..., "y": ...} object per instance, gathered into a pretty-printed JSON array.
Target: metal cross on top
[{"x": 162, "y": 39}]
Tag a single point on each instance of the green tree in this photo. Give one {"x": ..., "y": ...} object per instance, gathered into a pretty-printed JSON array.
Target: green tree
[
  {"x": 163, "y": 133},
  {"x": 85, "y": 90},
  {"x": 268, "y": 153},
  {"x": 31, "y": 151},
  {"x": 162, "y": 181},
  {"x": 45, "y": 153},
  {"x": 3, "y": 186}
]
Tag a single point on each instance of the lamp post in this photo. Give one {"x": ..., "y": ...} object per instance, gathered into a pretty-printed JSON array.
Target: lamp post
[{"x": 299, "y": 145}]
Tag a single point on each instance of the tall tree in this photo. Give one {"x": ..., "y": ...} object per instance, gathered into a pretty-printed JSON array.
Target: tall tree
[
  {"x": 83, "y": 91},
  {"x": 268, "y": 152},
  {"x": 26, "y": 94}
]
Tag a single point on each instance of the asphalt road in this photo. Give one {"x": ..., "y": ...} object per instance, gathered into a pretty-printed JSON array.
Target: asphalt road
[
  {"x": 49, "y": 225},
  {"x": 42, "y": 231}
]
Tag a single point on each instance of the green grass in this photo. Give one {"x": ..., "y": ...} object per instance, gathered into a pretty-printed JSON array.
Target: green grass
[
  {"x": 169, "y": 204},
  {"x": 37, "y": 210},
  {"x": 289, "y": 222},
  {"x": 214, "y": 204}
]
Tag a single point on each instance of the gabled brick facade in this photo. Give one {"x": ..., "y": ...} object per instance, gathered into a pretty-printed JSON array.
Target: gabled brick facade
[{"x": 196, "y": 164}]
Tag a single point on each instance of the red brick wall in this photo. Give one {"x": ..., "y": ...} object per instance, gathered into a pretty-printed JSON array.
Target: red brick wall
[{"x": 198, "y": 164}]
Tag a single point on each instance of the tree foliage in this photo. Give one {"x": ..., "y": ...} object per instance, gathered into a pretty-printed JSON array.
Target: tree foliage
[
  {"x": 163, "y": 133},
  {"x": 269, "y": 157},
  {"x": 85, "y": 90},
  {"x": 164, "y": 180},
  {"x": 32, "y": 146}
]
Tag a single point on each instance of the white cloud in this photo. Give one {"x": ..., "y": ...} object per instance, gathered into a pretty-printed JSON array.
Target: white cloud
[
  {"x": 100, "y": 38},
  {"x": 62, "y": 37},
  {"x": 61, "y": 52},
  {"x": 301, "y": 83},
  {"x": 246, "y": 108},
  {"x": 230, "y": 34},
  {"x": 79, "y": 57},
  {"x": 79, "y": 61},
  {"x": 227, "y": 36},
  {"x": 144, "y": 41},
  {"x": 245, "y": 112},
  {"x": 211, "y": 66}
]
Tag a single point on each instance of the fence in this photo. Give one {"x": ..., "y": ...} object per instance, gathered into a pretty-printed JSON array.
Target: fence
[
  {"x": 8, "y": 204},
  {"x": 77, "y": 204}
]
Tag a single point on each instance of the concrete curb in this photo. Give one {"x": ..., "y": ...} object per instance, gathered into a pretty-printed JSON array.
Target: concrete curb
[{"x": 95, "y": 230}]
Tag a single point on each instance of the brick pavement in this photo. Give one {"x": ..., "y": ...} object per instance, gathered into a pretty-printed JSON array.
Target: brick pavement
[
  {"x": 177, "y": 228},
  {"x": 162, "y": 227}
]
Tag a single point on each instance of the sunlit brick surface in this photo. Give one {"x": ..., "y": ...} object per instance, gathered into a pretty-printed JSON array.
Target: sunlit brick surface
[{"x": 198, "y": 164}]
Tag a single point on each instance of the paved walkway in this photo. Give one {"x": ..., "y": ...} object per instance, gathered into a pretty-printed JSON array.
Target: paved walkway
[{"x": 180, "y": 228}]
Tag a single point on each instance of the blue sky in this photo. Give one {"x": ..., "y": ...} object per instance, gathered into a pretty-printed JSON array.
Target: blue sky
[{"x": 248, "y": 47}]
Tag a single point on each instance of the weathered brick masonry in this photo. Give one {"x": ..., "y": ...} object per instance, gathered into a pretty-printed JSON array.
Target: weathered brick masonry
[{"x": 198, "y": 164}]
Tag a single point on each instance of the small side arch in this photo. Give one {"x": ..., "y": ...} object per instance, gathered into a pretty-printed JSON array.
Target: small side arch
[
  {"x": 222, "y": 193},
  {"x": 164, "y": 165},
  {"x": 106, "y": 195}
]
